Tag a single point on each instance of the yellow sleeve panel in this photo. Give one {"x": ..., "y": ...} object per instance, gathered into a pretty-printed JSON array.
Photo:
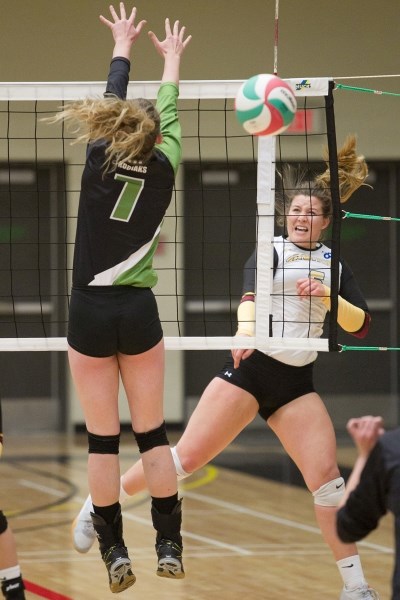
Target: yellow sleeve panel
[
  {"x": 350, "y": 317},
  {"x": 246, "y": 315}
]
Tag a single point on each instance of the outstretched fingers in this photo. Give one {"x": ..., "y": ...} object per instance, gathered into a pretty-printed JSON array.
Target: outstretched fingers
[
  {"x": 174, "y": 42},
  {"x": 181, "y": 34},
  {"x": 168, "y": 31},
  {"x": 122, "y": 10},
  {"x": 176, "y": 28},
  {"x": 106, "y": 21},
  {"x": 156, "y": 41},
  {"x": 123, "y": 28},
  {"x": 185, "y": 42},
  {"x": 114, "y": 15}
]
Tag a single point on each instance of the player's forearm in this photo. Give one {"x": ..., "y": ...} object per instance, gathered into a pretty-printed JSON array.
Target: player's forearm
[
  {"x": 122, "y": 48},
  {"x": 354, "y": 478},
  {"x": 246, "y": 315},
  {"x": 171, "y": 69},
  {"x": 350, "y": 318},
  {"x": 118, "y": 77}
]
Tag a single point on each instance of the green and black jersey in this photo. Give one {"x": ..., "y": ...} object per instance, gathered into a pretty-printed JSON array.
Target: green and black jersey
[{"x": 121, "y": 213}]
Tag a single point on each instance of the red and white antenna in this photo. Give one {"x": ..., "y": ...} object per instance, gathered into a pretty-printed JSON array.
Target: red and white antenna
[{"x": 276, "y": 35}]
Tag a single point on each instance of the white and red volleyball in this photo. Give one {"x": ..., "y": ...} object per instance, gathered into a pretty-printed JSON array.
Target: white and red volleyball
[{"x": 265, "y": 105}]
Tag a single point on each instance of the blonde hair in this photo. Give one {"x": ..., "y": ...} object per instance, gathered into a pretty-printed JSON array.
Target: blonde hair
[
  {"x": 130, "y": 127},
  {"x": 352, "y": 173},
  {"x": 352, "y": 170}
]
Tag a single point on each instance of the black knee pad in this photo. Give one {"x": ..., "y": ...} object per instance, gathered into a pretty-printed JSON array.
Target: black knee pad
[
  {"x": 103, "y": 444},
  {"x": 152, "y": 439},
  {"x": 3, "y": 522}
]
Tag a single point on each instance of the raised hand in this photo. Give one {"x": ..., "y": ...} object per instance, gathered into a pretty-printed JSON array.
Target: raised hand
[
  {"x": 123, "y": 29},
  {"x": 174, "y": 42}
]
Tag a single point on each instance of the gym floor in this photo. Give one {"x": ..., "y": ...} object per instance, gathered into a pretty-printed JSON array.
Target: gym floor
[{"x": 248, "y": 526}]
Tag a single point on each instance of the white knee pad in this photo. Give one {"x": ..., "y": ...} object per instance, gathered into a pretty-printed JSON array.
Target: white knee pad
[
  {"x": 330, "y": 493},
  {"x": 181, "y": 473}
]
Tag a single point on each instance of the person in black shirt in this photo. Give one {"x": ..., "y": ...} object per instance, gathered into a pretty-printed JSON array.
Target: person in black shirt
[
  {"x": 373, "y": 487},
  {"x": 114, "y": 331}
]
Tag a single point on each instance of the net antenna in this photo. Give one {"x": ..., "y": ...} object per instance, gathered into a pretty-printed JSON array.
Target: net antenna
[
  {"x": 39, "y": 211},
  {"x": 276, "y": 37}
]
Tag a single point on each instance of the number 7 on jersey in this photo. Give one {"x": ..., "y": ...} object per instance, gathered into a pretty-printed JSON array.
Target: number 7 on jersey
[{"x": 128, "y": 197}]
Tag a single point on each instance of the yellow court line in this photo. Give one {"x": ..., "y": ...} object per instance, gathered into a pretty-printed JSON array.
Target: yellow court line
[{"x": 211, "y": 473}]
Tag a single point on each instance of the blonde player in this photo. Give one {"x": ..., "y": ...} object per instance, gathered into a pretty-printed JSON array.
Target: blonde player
[{"x": 114, "y": 330}]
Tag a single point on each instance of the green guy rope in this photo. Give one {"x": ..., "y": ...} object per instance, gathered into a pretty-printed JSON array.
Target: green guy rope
[
  {"x": 379, "y": 348},
  {"x": 347, "y": 214},
  {"x": 340, "y": 86}
]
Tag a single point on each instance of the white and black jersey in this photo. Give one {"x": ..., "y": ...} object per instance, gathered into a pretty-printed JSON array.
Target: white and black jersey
[{"x": 292, "y": 316}]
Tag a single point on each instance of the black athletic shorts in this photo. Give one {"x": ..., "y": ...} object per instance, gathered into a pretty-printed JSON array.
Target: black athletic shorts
[
  {"x": 271, "y": 382},
  {"x": 104, "y": 320}
]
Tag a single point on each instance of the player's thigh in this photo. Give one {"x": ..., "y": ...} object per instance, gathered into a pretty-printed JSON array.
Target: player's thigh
[
  {"x": 305, "y": 430},
  {"x": 96, "y": 381},
  {"x": 222, "y": 412},
  {"x": 143, "y": 379}
]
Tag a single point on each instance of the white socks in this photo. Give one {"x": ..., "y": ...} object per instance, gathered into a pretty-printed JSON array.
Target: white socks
[
  {"x": 351, "y": 571},
  {"x": 10, "y": 573}
]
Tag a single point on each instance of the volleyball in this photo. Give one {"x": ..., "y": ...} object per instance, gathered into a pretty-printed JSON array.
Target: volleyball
[{"x": 265, "y": 105}]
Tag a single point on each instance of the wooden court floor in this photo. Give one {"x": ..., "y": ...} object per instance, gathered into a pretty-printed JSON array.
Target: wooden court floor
[{"x": 244, "y": 536}]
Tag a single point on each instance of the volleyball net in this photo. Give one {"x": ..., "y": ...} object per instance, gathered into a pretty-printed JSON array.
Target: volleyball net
[{"x": 223, "y": 207}]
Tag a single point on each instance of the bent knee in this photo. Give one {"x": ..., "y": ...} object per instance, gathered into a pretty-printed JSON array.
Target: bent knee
[
  {"x": 317, "y": 477},
  {"x": 330, "y": 493},
  {"x": 188, "y": 462}
]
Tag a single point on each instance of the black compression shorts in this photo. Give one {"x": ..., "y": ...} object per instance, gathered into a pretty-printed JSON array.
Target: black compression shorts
[
  {"x": 105, "y": 320},
  {"x": 271, "y": 382}
]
